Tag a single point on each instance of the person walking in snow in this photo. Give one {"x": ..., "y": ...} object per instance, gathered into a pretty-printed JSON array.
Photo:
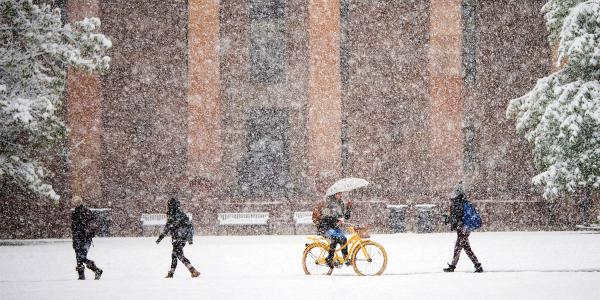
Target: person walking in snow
[
  {"x": 180, "y": 228},
  {"x": 463, "y": 230},
  {"x": 83, "y": 228},
  {"x": 333, "y": 215}
]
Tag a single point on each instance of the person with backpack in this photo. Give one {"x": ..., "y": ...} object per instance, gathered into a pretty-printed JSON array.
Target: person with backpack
[
  {"x": 83, "y": 228},
  {"x": 328, "y": 219},
  {"x": 464, "y": 219},
  {"x": 181, "y": 230}
]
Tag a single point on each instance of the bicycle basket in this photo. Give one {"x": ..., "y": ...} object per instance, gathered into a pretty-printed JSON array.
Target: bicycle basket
[{"x": 362, "y": 232}]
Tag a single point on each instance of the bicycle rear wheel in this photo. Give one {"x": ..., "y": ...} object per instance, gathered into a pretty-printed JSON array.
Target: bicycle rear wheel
[
  {"x": 370, "y": 259},
  {"x": 314, "y": 260}
]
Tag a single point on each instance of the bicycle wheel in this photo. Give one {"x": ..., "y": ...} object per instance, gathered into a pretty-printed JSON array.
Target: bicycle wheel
[
  {"x": 370, "y": 259},
  {"x": 314, "y": 260}
]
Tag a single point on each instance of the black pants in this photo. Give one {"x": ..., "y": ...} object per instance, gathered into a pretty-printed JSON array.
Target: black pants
[
  {"x": 178, "y": 254},
  {"x": 462, "y": 242},
  {"x": 81, "y": 251}
]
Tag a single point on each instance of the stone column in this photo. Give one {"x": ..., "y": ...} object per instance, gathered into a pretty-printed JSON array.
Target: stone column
[
  {"x": 84, "y": 100},
  {"x": 204, "y": 106},
  {"x": 446, "y": 94},
  {"x": 324, "y": 91}
]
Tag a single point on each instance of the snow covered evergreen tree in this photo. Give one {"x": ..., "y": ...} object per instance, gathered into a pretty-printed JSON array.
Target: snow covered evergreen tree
[
  {"x": 560, "y": 117},
  {"x": 35, "y": 51},
  {"x": 555, "y": 12}
]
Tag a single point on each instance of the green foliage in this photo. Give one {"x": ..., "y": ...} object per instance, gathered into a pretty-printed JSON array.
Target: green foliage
[
  {"x": 35, "y": 51},
  {"x": 555, "y": 12},
  {"x": 560, "y": 116}
]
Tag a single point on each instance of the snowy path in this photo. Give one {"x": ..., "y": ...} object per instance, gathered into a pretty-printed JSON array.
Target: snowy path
[{"x": 519, "y": 265}]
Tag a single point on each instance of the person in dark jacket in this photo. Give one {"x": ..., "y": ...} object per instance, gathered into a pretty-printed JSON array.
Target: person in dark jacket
[
  {"x": 83, "y": 229},
  {"x": 334, "y": 213},
  {"x": 179, "y": 227},
  {"x": 456, "y": 223}
]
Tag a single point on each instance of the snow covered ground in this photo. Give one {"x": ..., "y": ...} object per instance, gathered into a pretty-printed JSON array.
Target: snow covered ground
[{"x": 519, "y": 265}]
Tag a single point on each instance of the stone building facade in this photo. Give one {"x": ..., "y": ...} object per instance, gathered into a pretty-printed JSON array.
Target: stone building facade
[{"x": 259, "y": 105}]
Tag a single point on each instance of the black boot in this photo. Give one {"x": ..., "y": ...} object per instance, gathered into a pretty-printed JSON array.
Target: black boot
[
  {"x": 97, "y": 271},
  {"x": 98, "y": 274},
  {"x": 81, "y": 272},
  {"x": 478, "y": 268},
  {"x": 450, "y": 268},
  {"x": 347, "y": 261},
  {"x": 194, "y": 272},
  {"x": 330, "y": 263}
]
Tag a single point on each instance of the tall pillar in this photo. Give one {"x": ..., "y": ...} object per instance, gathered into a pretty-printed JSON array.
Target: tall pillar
[
  {"x": 204, "y": 107},
  {"x": 324, "y": 90},
  {"x": 446, "y": 94},
  {"x": 84, "y": 100}
]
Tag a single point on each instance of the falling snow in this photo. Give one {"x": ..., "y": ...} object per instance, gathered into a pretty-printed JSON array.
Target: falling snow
[{"x": 248, "y": 111}]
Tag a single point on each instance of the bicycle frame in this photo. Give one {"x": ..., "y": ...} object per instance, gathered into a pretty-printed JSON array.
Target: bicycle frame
[{"x": 353, "y": 242}]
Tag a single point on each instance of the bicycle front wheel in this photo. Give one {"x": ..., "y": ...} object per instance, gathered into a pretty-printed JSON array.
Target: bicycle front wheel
[
  {"x": 369, "y": 259},
  {"x": 314, "y": 260}
]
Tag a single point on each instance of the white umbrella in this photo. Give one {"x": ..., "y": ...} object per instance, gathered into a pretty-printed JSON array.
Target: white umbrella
[{"x": 346, "y": 185}]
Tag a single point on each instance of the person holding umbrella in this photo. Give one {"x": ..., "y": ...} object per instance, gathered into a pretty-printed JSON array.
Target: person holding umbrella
[{"x": 334, "y": 213}]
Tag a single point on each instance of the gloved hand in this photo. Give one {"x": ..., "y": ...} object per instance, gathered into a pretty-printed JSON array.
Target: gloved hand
[{"x": 157, "y": 241}]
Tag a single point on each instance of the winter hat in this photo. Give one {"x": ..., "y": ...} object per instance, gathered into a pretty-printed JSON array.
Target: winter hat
[
  {"x": 76, "y": 201},
  {"x": 173, "y": 203},
  {"x": 172, "y": 206},
  {"x": 458, "y": 191}
]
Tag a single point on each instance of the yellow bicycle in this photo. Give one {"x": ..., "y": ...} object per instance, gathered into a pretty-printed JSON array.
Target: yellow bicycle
[{"x": 366, "y": 257}]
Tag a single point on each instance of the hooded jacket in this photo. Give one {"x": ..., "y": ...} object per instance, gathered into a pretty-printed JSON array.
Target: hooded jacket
[
  {"x": 82, "y": 225},
  {"x": 457, "y": 212},
  {"x": 178, "y": 226},
  {"x": 332, "y": 211}
]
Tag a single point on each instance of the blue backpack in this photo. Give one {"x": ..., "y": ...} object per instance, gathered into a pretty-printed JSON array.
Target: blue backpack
[{"x": 471, "y": 218}]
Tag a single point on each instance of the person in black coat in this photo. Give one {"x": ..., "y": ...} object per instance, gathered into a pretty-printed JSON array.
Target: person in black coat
[
  {"x": 179, "y": 227},
  {"x": 457, "y": 213},
  {"x": 334, "y": 213},
  {"x": 83, "y": 229}
]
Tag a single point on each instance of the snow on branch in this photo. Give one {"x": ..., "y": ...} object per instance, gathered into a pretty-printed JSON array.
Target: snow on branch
[
  {"x": 560, "y": 116},
  {"x": 35, "y": 51}
]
